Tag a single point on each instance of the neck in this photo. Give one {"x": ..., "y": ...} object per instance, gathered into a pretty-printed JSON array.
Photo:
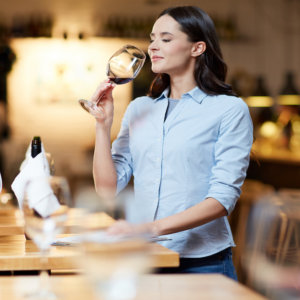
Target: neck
[{"x": 180, "y": 86}]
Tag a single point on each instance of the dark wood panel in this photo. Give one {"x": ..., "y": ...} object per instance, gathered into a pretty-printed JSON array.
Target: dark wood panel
[{"x": 279, "y": 174}]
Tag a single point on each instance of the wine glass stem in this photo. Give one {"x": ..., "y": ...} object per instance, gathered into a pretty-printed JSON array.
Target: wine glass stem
[
  {"x": 98, "y": 101},
  {"x": 44, "y": 275}
]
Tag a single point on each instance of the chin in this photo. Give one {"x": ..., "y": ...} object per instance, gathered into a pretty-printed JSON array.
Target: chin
[{"x": 155, "y": 69}]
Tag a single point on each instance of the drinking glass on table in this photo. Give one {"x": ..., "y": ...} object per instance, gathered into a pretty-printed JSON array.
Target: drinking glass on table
[
  {"x": 112, "y": 263},
  {"x": 122, "y": 67},
  {"x": 45, "y": 208}
]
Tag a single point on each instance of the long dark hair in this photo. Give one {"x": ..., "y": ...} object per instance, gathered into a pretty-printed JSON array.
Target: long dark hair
[{"x": 210, "y": 68}]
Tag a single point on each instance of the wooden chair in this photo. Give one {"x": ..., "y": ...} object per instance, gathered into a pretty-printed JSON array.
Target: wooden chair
[{"x": 252, "y": 192}]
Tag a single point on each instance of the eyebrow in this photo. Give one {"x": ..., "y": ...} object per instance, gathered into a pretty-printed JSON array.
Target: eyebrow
[{"x": 161, "y": 34}]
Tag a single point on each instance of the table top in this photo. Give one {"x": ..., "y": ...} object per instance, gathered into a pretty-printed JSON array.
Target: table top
[
  {"x": 11, "y": 221},
  {"x": 17, "y": 253},
  {"x": 153, "y": 286}
]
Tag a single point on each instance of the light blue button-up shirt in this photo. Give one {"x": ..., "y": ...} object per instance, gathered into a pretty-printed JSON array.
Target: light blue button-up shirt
[{"x": 201, "y": 150}]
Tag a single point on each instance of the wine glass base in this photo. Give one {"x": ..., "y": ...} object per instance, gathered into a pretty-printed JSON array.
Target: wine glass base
[
  {"x": 86, "y": 105},
  {"x": 41, "y": 295}
]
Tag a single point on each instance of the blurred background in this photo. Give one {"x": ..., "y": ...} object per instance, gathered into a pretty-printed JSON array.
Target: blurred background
[{"x": 54, "y": 52}]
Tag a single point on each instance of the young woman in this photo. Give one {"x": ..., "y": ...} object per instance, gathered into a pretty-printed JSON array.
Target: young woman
[{"x": 187, "y": 144}]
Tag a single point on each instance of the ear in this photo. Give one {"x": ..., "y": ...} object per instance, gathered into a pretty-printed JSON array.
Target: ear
[{"x": 198, "y": 48}]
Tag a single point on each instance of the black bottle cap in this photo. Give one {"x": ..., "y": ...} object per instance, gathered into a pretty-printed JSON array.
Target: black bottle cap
[{"x": 36, "y": 146}]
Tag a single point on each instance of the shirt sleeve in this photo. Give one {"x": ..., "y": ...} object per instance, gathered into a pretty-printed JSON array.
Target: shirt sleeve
[
  {"x": 121, "y": 154},
  {"x": 232, "y": 155}
]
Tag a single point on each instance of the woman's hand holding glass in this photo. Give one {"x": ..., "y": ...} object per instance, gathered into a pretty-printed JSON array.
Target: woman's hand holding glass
[{"x": 102, "y": 100}]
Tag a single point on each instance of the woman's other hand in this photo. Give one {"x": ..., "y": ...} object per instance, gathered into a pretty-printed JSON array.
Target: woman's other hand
[{"x": 122, "y": 227}]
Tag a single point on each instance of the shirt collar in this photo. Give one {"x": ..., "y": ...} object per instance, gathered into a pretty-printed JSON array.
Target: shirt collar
[
  {"x": 163, "y": 95},
  {"x": 196, "y": 94}
]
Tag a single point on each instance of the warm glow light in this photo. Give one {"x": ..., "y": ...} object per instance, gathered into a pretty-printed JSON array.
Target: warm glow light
[
  {"x": 289, "y": 100},
  {"x": 53, "y": 74},
  {"x": 268, "y": 130},
  {"x": 48, "y": 78},
  {"x": 259, "y": 101}
]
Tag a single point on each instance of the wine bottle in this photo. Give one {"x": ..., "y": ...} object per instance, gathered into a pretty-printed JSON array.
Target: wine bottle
[{"x": 36, "y": 148}]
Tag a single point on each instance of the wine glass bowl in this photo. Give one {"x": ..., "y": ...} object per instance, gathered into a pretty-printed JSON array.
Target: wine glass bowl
[
  {"x": 112, "y": 263},
  {"x": 43, "y": 231},
  {"x": 45, "y": 209},
  {"x": 125, "y": 64},
  {"x": 122, "y": 67},
  {"x": 272, "y": 256}
]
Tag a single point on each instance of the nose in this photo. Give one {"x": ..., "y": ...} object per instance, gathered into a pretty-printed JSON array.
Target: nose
[{"x": 153, "y": 46}]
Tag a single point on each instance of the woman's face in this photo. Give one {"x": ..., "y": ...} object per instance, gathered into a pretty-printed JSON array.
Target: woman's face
[{"x": 170, "y": 50}]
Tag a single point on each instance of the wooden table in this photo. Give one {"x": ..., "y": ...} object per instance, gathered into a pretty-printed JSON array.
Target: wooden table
[
  {"x": 19, "y": 254},
  {"x": 11, "y": 221},
  {"x": 150, "y": 287}
]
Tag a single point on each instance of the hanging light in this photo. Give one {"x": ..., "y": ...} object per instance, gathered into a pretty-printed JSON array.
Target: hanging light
[
  {"x": 260, "y": 96},
  {"x": 289, "y": 94}
]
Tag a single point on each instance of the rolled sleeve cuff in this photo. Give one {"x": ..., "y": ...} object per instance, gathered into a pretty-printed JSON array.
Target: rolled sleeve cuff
[
  {"x": 226, "y": 195},
  {"x": 123, "y": 177}
]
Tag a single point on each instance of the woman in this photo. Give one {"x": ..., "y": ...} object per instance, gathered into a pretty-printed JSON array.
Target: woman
[{"x": 187, "y": 144}]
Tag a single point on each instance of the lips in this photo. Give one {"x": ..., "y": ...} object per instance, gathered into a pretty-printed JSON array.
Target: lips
[{"x": 156, "y": 58}]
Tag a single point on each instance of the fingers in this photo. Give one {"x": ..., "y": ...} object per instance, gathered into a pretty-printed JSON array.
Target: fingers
[
  {"x": 121, "y": 227},
  {"x": 104, "y": 89},
  {"x": 97, "y": 111}
]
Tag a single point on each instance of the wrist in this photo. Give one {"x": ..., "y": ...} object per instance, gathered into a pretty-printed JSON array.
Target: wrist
[
  {"x": 103, "y": 127},
  {"x": 154, "y": 229}
]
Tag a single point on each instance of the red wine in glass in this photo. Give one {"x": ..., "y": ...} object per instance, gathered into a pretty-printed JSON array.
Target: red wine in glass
[{"x": 118, "y": 80}]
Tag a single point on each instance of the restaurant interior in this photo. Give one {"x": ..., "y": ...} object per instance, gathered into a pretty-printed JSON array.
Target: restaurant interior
[{"x": 54, "y": 52}]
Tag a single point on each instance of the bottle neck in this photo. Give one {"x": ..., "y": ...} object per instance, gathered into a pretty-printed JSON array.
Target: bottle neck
[{"x": 36, "y": 146}]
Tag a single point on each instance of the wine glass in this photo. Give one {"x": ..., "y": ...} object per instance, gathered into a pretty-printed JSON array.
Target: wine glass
[
  {"x": 112, "y": 263},
  {"x": 122, "y": 67},
  {"x": 45, "y": 209},
  {"x": 272, "y": 258}
]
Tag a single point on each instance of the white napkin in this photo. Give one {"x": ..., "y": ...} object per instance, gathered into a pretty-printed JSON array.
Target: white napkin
[
  {"x": 40, "y": 195},
  {"x": 28, "y": 157}
]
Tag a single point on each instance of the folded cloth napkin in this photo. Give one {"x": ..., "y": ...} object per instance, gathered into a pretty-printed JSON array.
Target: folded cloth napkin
[
  {"x": 39, "y": 193},
  {"x": 28, "y": 157}
]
